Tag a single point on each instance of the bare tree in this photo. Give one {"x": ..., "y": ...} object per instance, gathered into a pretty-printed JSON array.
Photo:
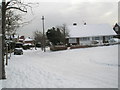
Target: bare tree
[
  {"x": 12, "y": 22},
  {"x": 38, "y": 36},
  {"x": 63, "y": 28},
  {"x": 65, "y": 32},
  {"x": 16, "y": 4},
  {"x": 12, "y": 4}
]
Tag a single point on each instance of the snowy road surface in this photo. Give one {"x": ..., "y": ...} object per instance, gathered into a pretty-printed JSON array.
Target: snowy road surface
[{"x": 78, "y": 68}]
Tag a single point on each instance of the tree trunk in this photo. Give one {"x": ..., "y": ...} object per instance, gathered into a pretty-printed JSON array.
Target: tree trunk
[
  {"x": 0, "y": 54},
  {"x": 3, "y": 38}
]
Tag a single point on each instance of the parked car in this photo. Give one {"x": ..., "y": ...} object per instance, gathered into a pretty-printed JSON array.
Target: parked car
[
  {"x": 38, "y": 45},
  {"x": 18, "y": 45},
  {"x": 25, "y": 47},
  {"x": 18, "y": 51},
  {"x": 117, "y": 40}
]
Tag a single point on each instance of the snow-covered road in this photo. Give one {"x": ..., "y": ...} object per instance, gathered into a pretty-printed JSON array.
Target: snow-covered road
[{"x": 83, "y": 68}]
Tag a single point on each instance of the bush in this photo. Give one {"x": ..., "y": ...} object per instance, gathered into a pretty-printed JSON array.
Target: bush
[
  {"x": 78, "y": 46},
  {"x": 58, "y": 47}
]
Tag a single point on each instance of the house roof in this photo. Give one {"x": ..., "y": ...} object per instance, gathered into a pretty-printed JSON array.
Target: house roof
[
  {"x": 90, "y": 30},
  {"x": 15, "y": 36},
  {"x": 27, "y": 44},
  {"x": 28, "y": 39},
  {"x": 21, "y": 39}
]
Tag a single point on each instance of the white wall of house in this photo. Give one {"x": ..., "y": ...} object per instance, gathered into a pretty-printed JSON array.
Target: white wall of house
[
  {"x": 85, "y": 41},
  {"x": 89, "y": 40}
]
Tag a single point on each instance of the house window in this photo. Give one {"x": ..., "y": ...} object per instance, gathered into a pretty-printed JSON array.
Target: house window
[
  {"x": 97, "y": 38},
  {"x": 72, "y": 40},
  {"x": 84, "y": 39},
  {"x": 107, "y": 37}
]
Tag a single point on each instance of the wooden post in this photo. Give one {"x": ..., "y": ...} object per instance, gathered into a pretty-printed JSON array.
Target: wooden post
[
  {"x": 10, "y": 50},
  {"x": 35, "y": 45},
  {"x": 10, "y": 44},
  {"x": 78, "y": 43},
  {"x": 6, "y": 54}
]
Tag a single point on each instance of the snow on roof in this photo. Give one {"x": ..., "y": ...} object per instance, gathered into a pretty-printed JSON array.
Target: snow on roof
[
  {"x": 21, "y": 39},
  {"x": 28, "y": 39},
  {"x": 90, "y": 30},
  {"x": 15, "y": 36},
  {"x": 27, "y": 44}
]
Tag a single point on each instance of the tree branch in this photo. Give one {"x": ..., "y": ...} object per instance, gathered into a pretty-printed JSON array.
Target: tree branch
[
  {"x": 16, "y": 8},
  {"x": 9, "y": 3}
]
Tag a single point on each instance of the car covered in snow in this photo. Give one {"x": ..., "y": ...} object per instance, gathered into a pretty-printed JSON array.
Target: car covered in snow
[
  {"x": 18, "y": 51},
  {"x": 117, "y": 40},
  {"x": 114, "y": 41}
]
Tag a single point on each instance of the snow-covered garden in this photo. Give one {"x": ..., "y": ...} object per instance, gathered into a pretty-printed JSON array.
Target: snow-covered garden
[{"x": 95, "y": 67}]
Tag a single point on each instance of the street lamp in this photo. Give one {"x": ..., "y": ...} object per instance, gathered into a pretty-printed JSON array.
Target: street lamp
[{"x": 43, "y": 34}]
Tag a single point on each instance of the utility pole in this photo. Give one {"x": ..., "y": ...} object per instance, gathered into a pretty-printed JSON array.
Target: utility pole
[
  {"x": 3, "y": 37},
  {"x": 64, "y": 27},
  {"x": 43, "y": 34},
  {"x": 64, "y": 35}
]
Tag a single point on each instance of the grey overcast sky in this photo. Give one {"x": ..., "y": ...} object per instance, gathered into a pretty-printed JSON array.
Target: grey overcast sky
[{"x": 58, "y": 12}]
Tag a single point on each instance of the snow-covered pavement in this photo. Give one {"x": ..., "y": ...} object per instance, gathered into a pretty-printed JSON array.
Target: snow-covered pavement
[{"x": 78, "y": 68}]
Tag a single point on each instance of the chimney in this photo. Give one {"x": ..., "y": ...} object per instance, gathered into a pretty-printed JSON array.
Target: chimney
[{"x": 74, "y": 24}]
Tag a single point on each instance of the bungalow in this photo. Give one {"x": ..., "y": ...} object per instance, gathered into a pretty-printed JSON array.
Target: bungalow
[{"x": 98, "y": 34}]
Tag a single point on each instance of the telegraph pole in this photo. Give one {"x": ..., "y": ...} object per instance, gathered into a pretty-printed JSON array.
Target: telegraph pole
[
  {"x": 3, "y": 37},
  {"x": 64, "y": 33},
  {"x": 43, "y": 34}
]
